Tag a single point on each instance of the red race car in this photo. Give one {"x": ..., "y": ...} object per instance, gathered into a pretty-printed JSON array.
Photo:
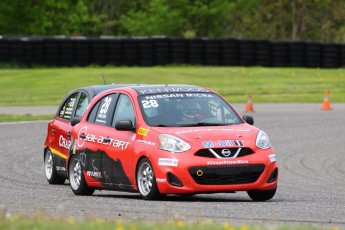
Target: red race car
[
  {"x": 58, "y": 137},
  {"x": 169, "y": 139}
]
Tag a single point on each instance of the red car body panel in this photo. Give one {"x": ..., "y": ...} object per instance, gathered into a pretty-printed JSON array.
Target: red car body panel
[{"x": 60, "y": 137}]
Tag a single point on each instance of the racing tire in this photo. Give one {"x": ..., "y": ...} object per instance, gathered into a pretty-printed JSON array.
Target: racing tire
[
  {"x": 146, "y": 181},
  {"x": 261, "y": 195},
  {"x": 50, "y": 169},
  {"x": 77, "y": 179}
]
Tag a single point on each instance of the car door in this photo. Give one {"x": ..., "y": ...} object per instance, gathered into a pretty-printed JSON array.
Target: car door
[
  {"x": 123, "y": 143},
  {"x": 107, "y": 150},
  {"x": 60, "y": 129}
]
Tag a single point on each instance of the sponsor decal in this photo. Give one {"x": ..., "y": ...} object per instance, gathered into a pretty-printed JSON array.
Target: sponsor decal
[
  {"x": 172, "y": 89},
  {"x": 143, "y": 131},
  {"x": 110, "y": 141},
  {"x": 146, "y": 142},
  {"x": 149, "y": 104},
  {"x": 227, "y": 162},
  {"x": 82, "y": 131},
  {"x": 238, "y": 143},
  {"x": 178, "y": 95},
  {"x": 102, "y": 115},
  {"x": 82, "y": 157},
  {"x": 105, "y": 106},
  {"x": 101, "y": 140},
  {"x": 94, "y": 174},
  {"x": 167, "y": 162},
  {"x": 199, "y": 95},
  {"x": 63, "y": 142},
  {"x": 59, "y": 168},
  {"x": 272, "y": 157},
  {"x": 222, "y": 143},
  {"x": 161, "y": 180},
  {"x": 164, "y": 96},
  {"x": 219, "y": 143},
  {"x": 71, "y": 103}
]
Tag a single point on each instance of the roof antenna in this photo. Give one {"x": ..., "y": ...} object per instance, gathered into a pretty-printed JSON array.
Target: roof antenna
[{"x": 105, "y": 83}]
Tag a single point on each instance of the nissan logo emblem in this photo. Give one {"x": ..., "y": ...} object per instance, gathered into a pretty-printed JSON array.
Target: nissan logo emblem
[{"x": 226, "y": 152}]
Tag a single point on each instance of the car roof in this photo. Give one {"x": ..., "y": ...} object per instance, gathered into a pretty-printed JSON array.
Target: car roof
[
  {"x": 154, "y": 89},
  {"x": 96, "y": 89}
]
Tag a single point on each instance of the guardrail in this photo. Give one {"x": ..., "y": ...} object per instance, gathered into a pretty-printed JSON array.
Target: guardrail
[{"x": 152, "y": 51}]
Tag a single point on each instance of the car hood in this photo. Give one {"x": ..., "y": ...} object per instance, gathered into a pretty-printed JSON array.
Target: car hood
[{"x": 214, "y": 134}]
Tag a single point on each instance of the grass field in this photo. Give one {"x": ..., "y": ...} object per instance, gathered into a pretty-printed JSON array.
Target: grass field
[
  {"x": 47, "y": 86},
  {"x": 37, "y": 223},
  {"x": 25, "y": 117}
]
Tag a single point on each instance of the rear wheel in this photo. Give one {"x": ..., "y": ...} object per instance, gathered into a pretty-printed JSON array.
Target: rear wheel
[
  {"x": 261, "y": 195},
  {"x": 77, "y": 179},
  {"x": 50, "y": 169},
  {"x": 146, "y": 181}
]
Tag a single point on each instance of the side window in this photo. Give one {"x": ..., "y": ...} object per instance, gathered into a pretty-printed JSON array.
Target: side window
[
  {"x": 105, "y": 110},
  {"x": 82, "y": 105},
  {"x": 124, "y": 110},
  {"x": 67, "y": 108},
  {"x": 92, "y": 114},
  {"x": 221, "y": 112}
]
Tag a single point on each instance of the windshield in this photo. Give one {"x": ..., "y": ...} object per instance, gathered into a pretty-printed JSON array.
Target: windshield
[{"x": 187, "y": 109}]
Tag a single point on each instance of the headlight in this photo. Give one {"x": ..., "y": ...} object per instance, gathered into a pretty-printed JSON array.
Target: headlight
[
  {"x": 262, "y": 140},
  {"x": 172, "y": 144}
]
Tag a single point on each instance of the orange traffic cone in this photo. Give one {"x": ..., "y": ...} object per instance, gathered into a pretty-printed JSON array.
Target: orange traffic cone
[
  {"x": 326, "y": 103},
  {"x": 249, "y": 105}
]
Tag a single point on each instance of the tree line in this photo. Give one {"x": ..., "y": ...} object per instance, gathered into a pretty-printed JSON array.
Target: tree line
[{"x": 308, "y": 20}]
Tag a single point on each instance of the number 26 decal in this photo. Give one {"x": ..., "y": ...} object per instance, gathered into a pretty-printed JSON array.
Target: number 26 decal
[{"x": 149, "y": 104}]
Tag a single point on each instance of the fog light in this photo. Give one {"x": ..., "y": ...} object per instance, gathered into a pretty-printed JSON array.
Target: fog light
[
  {"x": 273, "y": 177},
  {"x": 173, "y": 180}
]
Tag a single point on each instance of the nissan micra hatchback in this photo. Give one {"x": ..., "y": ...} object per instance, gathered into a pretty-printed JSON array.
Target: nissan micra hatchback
[{"x": 169, "y": 139}]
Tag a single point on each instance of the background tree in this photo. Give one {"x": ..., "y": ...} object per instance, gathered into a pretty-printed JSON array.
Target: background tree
[{"x": 313, "y": 20}]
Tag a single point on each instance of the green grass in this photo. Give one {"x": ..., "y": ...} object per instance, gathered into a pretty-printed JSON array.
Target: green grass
[
  {"x": 47, "y": 86},
  {"x": 72, "y": 224},
  {"x": 25, "y": 117}
]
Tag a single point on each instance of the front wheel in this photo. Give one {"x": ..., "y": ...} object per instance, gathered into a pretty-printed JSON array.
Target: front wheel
[
  {"x": 146, "y": 181},
  {"x": 261, "y": 195},
  {"x": 50, "y": 169},
  {"x": 77, "y": 179}
]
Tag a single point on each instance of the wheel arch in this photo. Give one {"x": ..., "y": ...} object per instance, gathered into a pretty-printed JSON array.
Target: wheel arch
[
  {"x": 137, "y": 166},
  {"x": 45, "y": 148},
  {"x": 161, "y": 188}
]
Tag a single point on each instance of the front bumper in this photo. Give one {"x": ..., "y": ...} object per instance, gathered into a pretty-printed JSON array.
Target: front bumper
[{"x": 201, "y": 175}]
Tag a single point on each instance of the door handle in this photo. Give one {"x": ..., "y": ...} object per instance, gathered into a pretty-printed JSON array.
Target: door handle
[
  {"x": 53, "y": 130},
  {"x": 82, "y": 136},
  {"x": 69, "y": 134},
  {"x": 106, "y": 140}
]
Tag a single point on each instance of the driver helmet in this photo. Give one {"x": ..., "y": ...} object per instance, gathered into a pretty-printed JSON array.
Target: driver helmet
[{"x": 190, "y": 110}]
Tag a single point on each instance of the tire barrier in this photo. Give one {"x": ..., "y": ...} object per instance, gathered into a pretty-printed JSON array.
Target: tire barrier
[{"x": 152, "y": 51}]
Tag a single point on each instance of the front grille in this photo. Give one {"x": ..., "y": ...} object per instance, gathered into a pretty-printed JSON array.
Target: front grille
[
  {"x": 226, "y": 175},
  {"x": 219, "y": 152}
]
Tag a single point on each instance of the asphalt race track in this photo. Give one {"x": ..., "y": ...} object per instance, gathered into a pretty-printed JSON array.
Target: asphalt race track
[{"x": 309, "y": 144}]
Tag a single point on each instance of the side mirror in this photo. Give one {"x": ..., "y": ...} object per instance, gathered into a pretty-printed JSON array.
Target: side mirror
[
  {"x": 248, "y": 119},
  {"x": 124, "y": 125},
  {"x": 75, "y": 120}
]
